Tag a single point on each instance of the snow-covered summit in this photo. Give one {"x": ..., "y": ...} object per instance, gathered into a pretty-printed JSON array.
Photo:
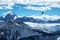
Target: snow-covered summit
[{"x": 8, "y": 16}]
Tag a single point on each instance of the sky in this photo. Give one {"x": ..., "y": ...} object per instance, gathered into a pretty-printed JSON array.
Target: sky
[{"x": 30, "y": 7}]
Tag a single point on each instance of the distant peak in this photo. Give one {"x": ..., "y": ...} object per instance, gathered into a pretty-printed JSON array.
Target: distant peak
[
  {"x": 10, "y": 15},
  {"x": 9, "y": 12}
]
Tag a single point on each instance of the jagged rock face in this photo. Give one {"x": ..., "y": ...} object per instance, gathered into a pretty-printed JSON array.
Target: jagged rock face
[
  {"x": 13, "y": 30},
  {"x": 1, "y": 18},
  {"x": 36, "y": 37},
  {"x": 42, "y": 37}
]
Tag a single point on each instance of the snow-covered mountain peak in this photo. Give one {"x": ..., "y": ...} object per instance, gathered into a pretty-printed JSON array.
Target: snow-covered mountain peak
[{"x": 10, "y": 15}]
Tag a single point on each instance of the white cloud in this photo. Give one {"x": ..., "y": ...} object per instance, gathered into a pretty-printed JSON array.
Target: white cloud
[
  {"x": 27, "y": 1},
  {"x": 34, "y": 1},
  {"x": 43, "y": 6},
  {"x": 38, "y": 8},
  {"x": 9, "y": 4},
  {"x": 8, "y": 7},
  {"x": 47, "y": 27},
  {"x": 46, "y": 17},
  {"x": 6, "y": 1},
  {"x": 46, "y": 4},
  {"x": 1, "y": 7}
]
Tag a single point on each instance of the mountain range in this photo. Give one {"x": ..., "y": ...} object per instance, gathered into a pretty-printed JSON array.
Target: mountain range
[{"x": 13, "y": 27}]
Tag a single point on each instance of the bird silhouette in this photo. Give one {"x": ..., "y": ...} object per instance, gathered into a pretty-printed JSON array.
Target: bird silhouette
[{"x": 42, "y": 13}]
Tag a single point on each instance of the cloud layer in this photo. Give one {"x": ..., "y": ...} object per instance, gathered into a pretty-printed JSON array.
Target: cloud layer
[
  {"x": 45, "y": 17},
  {"x": 40, "y": 5},
  {"x": 48, "y": 28}
]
